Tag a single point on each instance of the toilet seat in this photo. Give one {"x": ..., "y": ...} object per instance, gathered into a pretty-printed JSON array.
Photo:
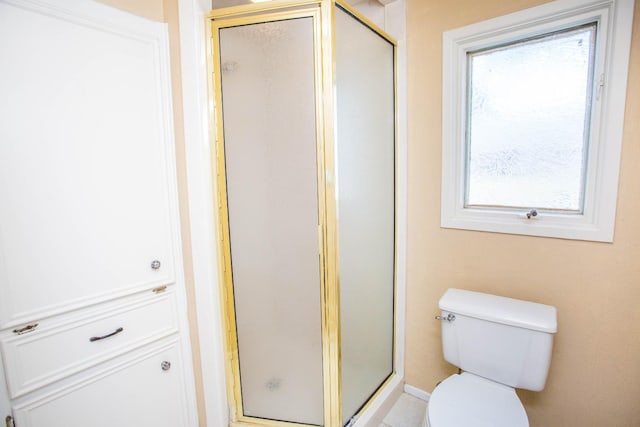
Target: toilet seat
[{"x": 467, "y": 400}]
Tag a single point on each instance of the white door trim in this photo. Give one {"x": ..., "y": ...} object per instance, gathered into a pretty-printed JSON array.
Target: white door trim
[{"x": 201, "y": 214}]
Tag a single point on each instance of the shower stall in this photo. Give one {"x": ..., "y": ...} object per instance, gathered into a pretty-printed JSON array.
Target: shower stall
[{"x": 305, "y": 126}]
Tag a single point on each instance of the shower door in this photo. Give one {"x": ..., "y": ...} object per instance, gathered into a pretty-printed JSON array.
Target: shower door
[
  {"x": 365, "y": 151},
  {"x": 305, "y": 155},
  {"x": 268, "y": 100}
]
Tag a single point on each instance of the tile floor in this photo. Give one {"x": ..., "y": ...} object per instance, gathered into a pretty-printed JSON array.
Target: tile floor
[{"x": 408, "y": 411}]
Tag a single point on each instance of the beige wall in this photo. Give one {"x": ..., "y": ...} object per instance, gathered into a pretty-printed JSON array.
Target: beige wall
[
  {"x": 167, "y": 11},
  {"x": 595, "y": 371},
  {"x": 150, "y": 9}
]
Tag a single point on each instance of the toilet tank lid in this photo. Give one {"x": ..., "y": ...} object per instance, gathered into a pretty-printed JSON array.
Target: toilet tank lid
[{"x": 493, "y": 308}]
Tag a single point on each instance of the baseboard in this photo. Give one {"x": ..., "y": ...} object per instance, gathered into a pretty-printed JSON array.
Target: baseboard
[
  {"x": 382, "y": 404},
  {"x": 417, "y": 392}
]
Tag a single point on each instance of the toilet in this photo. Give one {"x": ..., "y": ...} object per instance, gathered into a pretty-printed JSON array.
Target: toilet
[{"x": 500, "y": 344}]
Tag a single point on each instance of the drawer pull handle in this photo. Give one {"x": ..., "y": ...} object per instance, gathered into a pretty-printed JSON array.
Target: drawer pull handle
[
  {"x": 117, "y": 331},
  {"x": 28, "y": 328}
]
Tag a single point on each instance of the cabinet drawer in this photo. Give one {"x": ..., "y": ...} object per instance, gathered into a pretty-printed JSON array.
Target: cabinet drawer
[{"x": 69, "y": 344}]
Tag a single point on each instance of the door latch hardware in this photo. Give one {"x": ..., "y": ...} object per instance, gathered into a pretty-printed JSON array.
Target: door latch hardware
[
  {"x": 8, "y": 422},
  {"x": 26, "y": 329}
]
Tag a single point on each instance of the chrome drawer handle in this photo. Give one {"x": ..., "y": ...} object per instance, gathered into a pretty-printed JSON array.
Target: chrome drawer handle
[{"x": 117, "y": 331}]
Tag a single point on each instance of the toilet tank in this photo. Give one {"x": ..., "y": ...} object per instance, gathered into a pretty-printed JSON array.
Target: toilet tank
[{"x": 502, "y": 339}]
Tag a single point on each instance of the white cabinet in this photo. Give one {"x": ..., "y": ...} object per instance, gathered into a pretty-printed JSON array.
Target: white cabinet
[{"x": 92, "y": 296}]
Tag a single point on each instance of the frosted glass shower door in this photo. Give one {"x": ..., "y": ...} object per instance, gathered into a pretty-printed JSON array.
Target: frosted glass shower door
[
  {"x": 269, "y": 125},
  {"x": 365, "y": 146}
]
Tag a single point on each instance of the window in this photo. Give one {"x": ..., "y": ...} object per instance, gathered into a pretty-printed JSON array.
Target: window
[
  {"x": 533, "y": 106},
  {"x": 528, "y": 116}
]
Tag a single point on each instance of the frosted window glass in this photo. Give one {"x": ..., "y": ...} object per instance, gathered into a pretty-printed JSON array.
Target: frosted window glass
[
  {"x": 268, "y": 89},
  {"x": 365, "y": 137},
  {"x": 528, "y": 121}
]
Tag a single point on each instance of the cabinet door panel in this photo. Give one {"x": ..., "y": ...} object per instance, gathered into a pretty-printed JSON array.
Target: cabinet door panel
[
  {"x": 134, "y": 394},
  {"x": 83, "y": 171}
]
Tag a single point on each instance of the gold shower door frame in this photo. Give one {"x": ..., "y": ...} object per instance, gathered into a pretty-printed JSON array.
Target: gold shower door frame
[{"x": 322, "y": 14}]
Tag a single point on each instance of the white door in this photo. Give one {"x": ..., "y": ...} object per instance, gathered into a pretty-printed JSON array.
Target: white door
[{"x": 83, "y": 142}]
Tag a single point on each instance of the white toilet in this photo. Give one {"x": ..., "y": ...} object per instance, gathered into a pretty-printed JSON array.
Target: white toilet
[{"x": 500, "y": 344}]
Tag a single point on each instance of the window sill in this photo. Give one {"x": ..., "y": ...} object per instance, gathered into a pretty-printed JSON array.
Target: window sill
[{"x": 545, "y": 224}]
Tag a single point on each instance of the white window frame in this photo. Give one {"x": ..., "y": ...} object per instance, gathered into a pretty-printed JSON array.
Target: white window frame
[{"x": 597, "y": 220}]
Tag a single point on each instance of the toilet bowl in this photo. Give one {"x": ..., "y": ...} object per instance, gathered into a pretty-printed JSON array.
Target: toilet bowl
[
  {"x": 501, "y": 344},
  {"x": 466, "y": 400}
]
